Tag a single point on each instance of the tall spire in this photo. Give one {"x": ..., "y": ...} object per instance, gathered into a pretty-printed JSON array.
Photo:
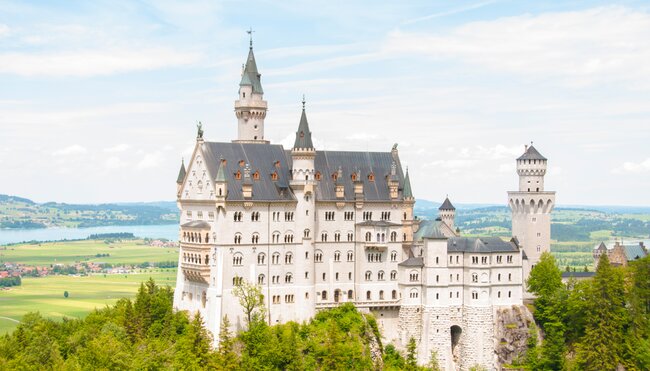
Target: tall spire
[
  {"x": 181, "y": 173},
  {"x": 221, "y": 173},
  {"x": 303, "y": 135},
  {"x": 408, "y": 193},
  {"x": 250, "y": 76}
]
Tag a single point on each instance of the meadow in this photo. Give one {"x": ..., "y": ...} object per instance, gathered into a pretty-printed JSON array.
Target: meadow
[
  {"x": 70, "y": 252},
  {"x": 46, "y": 294}
]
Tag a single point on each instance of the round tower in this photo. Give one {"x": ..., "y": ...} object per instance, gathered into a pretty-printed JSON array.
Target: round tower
[
  {"x": 250, "y": 108},
  {"x": 531, "y": 207}
]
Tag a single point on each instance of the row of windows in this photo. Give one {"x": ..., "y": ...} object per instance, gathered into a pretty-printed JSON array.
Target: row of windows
[
  {"x": 199, "y": 214},
  {"x": 287, "y": 299},
  {"x": 195, "y": 237},
  {"x": 350, "y": 296},
  {"x": 381, "y": 237},
  {"x": 195, "y": 258}
]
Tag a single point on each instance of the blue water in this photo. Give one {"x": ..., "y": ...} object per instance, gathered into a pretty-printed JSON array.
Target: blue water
[{"x": 168, "y": 231}]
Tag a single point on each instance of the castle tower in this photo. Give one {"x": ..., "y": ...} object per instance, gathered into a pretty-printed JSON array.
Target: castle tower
[
  {"x": 447, "y": 213},
  {"x": 250, "y": 108},
  {"x": 531, "y": 206},
  {"x": 303, "y": 155}
]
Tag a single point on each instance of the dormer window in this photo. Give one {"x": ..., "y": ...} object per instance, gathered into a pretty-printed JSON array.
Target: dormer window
[
  {"x": 242, "y": 163},
  {"x": 335, "y": 176},
  {"x": 317, "y": 176},
  {"x": 274, "y": 175},
  {"x": 277, "y": 164},
  {"x": 256, "y": 175},
  {"x": 238, "y": 175},
  {"x": 371, "y": 177},
  {"x": 354, "y": 177}
]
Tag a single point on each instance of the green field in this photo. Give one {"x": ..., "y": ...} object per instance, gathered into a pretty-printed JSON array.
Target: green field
[
  {"x": 70, "y": 252},
  {"x": 45, "y": 294}
]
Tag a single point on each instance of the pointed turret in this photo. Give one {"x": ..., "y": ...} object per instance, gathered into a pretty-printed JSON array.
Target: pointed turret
[
  {"x": 221, "y": 173},
  {"x": 448, "y": 213},
  {"x": 303, "y": 135},
  {"x": 446, "y": 205},
  {"x": 250, "y": 75},
  {"x": 407, "y": 192},
  {"x": 180, "y": 179},
  {"x": 250, "y": 108}
]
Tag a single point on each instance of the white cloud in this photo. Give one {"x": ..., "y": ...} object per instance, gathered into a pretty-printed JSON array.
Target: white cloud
[
  {"x": 74, "y": 149},
  {"x": 449, "y": 12},
  {"x": 634, "y": 167},
  {"x": 150, "y": 160},
  {"x": 117, "y": 148},
  {"x": 114, "y": 162},
  {"x": 91, "y": 62},
  {"x": 579, "y": 47},
  {"x": 4, "y": 30}
]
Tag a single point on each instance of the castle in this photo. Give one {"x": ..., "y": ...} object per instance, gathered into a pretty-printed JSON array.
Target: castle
[{"x": 318, "y": 228}]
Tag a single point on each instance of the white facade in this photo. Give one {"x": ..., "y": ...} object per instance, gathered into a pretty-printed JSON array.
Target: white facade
[{"x": 318, "y": 228}]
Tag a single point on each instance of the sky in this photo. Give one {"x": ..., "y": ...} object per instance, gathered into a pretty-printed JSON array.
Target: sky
[{"x": 99, "y": 100}]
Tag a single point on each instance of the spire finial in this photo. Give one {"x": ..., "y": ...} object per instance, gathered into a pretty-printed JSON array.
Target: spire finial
[
  {"x": 303, "y": 102},
  {"x": 250, "y": 35}
]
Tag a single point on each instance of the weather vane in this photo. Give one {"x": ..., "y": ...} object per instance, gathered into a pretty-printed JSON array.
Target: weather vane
[
  {"x": 250, "y": 34},
  {"x": 303, "y": 102}
]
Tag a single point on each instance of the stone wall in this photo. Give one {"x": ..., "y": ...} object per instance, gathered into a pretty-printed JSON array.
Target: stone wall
[
  {"x": 410, "y": 324},
  {"x": 477, "y": 341}
]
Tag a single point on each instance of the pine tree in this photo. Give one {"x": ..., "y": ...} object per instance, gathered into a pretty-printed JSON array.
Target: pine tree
[
  {"x": 601, "y": 346},
  {"x": 227, "y": 359}
]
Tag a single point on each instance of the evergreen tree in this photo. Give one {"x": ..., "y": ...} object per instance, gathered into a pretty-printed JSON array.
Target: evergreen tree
[
  {"x": 227, "y": 359},
  {"x": 411, "y": 355},
  {"x": 601, "y": 346}
]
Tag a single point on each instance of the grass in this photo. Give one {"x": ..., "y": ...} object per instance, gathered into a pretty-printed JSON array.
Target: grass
[
  {"x": 70, "y": 252},
  {"x": 45, "y": 294}
]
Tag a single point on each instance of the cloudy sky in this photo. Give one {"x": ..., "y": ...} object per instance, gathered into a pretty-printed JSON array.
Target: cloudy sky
[{"x": 99, "y": 100}]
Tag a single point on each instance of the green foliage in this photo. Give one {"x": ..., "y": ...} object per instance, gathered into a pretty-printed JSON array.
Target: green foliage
[
  {"x": 66, "y": 294},
  {"x": 393, "y": 360},
  {"x": 411, "y": 354},
  {"x": 251, "y": 300}
]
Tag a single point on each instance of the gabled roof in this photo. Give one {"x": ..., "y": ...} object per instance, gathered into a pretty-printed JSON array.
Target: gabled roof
[
  {"x": 250, "y": 76},
  {"x": 601, "y": 247},
  {"x": 446, "y": 205},
  {"x": 407, "y": 186},
  {"x": 480, "y": 245},
  {"x": 303, "y": 135},
  {"x": 413, "y": 262},
  {"x": 429, "y": 229},
  {"x": 531, "y": 154},
  {"x": 181, "y": 173},
  {"x": 633, "y": 252}
]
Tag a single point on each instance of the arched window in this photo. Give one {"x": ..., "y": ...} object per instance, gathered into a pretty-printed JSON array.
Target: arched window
[
  {"x": 306, "y": 233},
  {"x": 237, "y": 259},
  {"x": 260, "y": 279},
  {"x": 393, "y": 275},
  {"x": 380, "y": 275},
  {"x": 414, "y": 276},
  {"x": 350, "y": 295},
  {"x": 381, "y": 294},
  {"x": 393, "y": 236},
  {"x": 318, "y": 256},
  {"x": 350, "y": 256},
  {"x": 368, "y": 275},
  {"x": 275, "y": 259},
  {"x": 414, "y": 294},
  {"x": 368, "y": 295},
  {"x": 288, "y": 278},
  {"x": 474, "y": 277},
  {"x": 368, "y": 236},
  {"x": 288, "y": 258},
  {"x": 323, "y": 295},
  {"x": 261, "y": 258},
  {"x": 393, "y": 295},
  {"x": 337, "y": 256}
]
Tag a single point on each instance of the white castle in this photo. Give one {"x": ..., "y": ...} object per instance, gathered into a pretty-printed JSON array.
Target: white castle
[{"x": 315, "y": 229}]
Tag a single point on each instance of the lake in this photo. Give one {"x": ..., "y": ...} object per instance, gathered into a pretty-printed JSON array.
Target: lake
[{"x": 168, "y": 231}]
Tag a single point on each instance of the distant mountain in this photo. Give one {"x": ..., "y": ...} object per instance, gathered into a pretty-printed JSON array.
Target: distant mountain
[{"x": 18, "y": 212}]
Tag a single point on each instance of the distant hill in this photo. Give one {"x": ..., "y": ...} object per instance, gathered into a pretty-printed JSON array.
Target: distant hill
[{"x": 20, "y": 213}]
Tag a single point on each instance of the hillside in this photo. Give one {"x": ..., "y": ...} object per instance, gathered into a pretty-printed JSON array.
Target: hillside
[{"x": 18, "y": 212}]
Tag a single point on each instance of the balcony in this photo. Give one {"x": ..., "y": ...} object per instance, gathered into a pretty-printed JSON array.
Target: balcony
[
  {"x": 374, "y": 304},
  {"x": 196, "y": 272}
]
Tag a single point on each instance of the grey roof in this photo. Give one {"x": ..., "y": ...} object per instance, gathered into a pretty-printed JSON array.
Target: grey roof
[
  {"x": 260, "y": 157},
  {"x": 531, "y": 154},
  {"x": 601, "y": 247},
  {"x": 413, "y": 262},
  {"x": 303, "y": 135},
  {"x": 446, "y": 205},
  {"x": 201, "y": 224},
  {"x": 480, "y": 245},
  {"x": 377, "y": 223},
  {"x": 633, "y": 252},
  {"x": 363, "y": 163},
  {"x": 578, "y": 274},
  {"x": 250, "y": 76},
  {"x": 407, "y": 186},
  {"x": 263, "y": 157},
  {"x": 429, "y": 229},
  {"x": 181, "y": 173}
]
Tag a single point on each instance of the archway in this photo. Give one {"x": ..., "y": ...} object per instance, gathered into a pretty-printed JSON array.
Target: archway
[{"x": 456, "y": 333}]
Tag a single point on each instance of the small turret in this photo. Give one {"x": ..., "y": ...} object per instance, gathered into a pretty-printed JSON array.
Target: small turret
[
  {"x": 447, "y": 213},
  {"x": 181, "y": 178},
  {"x": 303, "y": 152},
  {"x": 407, "y": 192},
  {"x": 220, "y": 183},
  {"x": 531, "y": 168}
]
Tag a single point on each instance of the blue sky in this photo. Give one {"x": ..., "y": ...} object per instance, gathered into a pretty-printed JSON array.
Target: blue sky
[{"x": 99, "y": 100}]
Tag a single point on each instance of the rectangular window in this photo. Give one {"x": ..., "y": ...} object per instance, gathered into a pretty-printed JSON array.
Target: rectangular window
[{"x": 211, "y": 215}]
